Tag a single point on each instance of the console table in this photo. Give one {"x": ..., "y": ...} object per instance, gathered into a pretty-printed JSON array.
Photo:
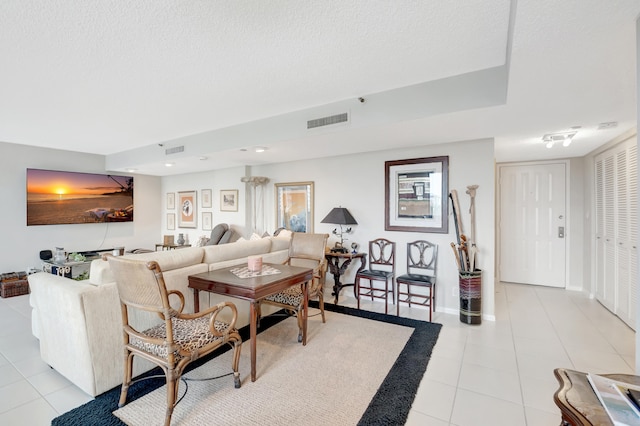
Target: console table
[
  {"x": 171, "y": 246},
  {"x": 67, "y": 269},
  {"x": 338, "y": 264},
  {"x": 578, "y": 402}
]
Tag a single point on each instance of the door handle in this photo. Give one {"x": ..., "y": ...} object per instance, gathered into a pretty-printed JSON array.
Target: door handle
[{"x": 560, "y": 231}]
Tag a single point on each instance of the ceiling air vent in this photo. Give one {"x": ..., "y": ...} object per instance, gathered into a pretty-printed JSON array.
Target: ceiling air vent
[
  {"x": 174, "y": 150},
  {"x": 327, "y": 121},
  {"x": 607, "y": 125}
]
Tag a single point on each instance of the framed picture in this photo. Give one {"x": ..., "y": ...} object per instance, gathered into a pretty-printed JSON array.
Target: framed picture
[
  {"x": 188, "y": 210},
  {"x": 171, "y": 221},
  {"x": 206, "y": 198},
  {"x": 294, "y": 206},
  {"x": 416, "y": 195},
  {"x": 207, "y": 221},
  {"x": 229, "y": 200},
  {"x": 171, "y": 200}
]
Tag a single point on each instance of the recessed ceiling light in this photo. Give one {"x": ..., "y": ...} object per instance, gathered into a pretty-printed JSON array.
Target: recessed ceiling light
[
  {"x": 169, "y": 164},
  {"x": 260, "y": 149},
  {"x": 203, "y": 158}
]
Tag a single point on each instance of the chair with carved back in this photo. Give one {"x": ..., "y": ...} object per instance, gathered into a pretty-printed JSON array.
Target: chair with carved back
[
  {"x": 422, "y": 259},
  {"x": 382, "y": 256},
  {"x": 178, "y": 338},
  {"x": 305, "y": 250}
]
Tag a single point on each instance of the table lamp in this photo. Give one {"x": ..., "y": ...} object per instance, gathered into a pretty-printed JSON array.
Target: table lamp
[{"x": 340, "y": 216}]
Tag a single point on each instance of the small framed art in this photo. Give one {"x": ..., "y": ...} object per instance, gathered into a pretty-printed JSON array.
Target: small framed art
[
  {"x": 206, "y": 199},
  {"x": 171, "y": 200},
  {"x": 229, "y": 200},
  {"x": 207, "y": 221},
  {"x": 171, "y": 221}
]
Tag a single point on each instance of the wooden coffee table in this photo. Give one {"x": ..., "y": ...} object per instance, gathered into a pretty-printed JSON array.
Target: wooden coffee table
[
  {"x": 578, "y": 402},
  {"x": 223, "y": 281}
]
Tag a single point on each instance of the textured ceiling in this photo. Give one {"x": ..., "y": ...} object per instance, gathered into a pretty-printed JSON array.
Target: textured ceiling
[{"x": 118, "y": 77}]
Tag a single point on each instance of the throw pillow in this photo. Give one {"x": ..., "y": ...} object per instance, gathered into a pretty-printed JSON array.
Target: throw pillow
[
  {"x": 285, "y": 233},
  {"x": 216, "y": 233}
]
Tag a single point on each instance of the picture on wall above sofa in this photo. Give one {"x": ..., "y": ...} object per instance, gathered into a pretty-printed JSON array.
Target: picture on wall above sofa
[{"x": 60, "y": 197}]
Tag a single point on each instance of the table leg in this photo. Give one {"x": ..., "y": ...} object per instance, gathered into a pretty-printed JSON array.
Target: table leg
[
  {"x": 337, "y": 286},
  {"x": 252, "y": 336},
  {"x": 305, "y": 311},
  {"x": 196, "y": 300}
]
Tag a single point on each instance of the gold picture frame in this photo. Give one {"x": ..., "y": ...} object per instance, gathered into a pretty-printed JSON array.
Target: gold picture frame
[{"x": 294, "y": 206}]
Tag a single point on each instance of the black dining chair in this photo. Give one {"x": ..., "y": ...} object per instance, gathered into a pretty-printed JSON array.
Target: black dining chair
[
  {"x": 382, "y": 256},
  {"x": 422, "y": 259}
]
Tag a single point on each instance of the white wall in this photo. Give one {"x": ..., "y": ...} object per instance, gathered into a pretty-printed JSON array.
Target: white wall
[
  {"x": 357, "y": 182},
  {"x": 215, "y": 180},
  {"x": 22, "y": 244}
]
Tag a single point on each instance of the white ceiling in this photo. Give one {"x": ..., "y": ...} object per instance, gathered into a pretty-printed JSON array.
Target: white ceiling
[{"x": 120, "y": 78}]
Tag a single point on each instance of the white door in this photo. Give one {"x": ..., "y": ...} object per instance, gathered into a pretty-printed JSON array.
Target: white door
[{"x": 533, "y": 224}]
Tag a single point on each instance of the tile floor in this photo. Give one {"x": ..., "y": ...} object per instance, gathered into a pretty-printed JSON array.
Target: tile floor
[{"x": 498, "y": 373}]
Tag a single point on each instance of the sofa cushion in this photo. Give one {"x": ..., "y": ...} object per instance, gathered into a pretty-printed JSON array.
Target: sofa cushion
[
  {"x": 237, "y": 250},
  {"x": 172, "y": 259},
  {"x": 278, "y": 244},
  {"x": 100, "y": 273}
]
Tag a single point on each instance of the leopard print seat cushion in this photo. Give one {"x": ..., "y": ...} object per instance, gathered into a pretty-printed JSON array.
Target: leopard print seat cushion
[
  {"x": 291, "y": 296},
  {"x": 189, "y": 334}
]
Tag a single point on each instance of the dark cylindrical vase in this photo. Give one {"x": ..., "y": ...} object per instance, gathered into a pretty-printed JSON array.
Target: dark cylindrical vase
[{"x": 471, "y": 297}]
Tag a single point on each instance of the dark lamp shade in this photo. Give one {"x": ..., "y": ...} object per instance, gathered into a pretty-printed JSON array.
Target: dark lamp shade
[{"x": 340, "y": 216}]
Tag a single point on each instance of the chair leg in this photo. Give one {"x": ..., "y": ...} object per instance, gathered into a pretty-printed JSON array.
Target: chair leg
[
  {"x": 237, "y": 347},
  {"x": 321, "y": 305},
  {"x": 386, "y": 296},
  {"x": 299, "y": 318},
  {"x": 432, "y": 301},
  {"x": 393, "y": 293},
  {"x": 126, "y": 382},
  {"x": 173, "y": 381},
  {"x": 356, "y": 286},
  {"x": 371, "y": 285},
  {"x": 398, "y": 304}
]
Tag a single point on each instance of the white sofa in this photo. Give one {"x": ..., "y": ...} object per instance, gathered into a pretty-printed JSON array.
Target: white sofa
[{"x": 79, "y": 324}]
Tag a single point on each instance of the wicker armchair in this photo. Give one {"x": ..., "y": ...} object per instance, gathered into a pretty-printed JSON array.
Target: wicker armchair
[
  {"x": 305, "y": 250},
  {"x": 179, "y": 339}
]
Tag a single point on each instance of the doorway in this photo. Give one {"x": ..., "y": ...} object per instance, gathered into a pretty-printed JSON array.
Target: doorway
[{"x": 533, "y": 223}]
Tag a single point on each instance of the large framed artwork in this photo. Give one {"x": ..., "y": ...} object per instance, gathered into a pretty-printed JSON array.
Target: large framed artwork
[
  {"x": 294, "y": 206},
  {"x": 187, "y": 206},
  {"x": 416, "y": 195}
]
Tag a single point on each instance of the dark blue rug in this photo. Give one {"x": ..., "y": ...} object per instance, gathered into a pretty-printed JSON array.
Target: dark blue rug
[{"x": 389, "y": 406}]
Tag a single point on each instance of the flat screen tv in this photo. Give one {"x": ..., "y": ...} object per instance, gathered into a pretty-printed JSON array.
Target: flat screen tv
[{"x": 57, "y": 197}]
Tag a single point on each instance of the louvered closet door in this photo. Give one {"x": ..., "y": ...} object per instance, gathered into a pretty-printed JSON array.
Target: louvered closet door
[
  {"x": 616, "y": 221},
  {"x": 633, "y": 233},
  {"x": 600, "y": 233},
  {"x": 627, "y": 228}
]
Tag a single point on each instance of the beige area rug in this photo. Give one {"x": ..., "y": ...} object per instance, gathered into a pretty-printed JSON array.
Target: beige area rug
[{"x": 330, "y": 381}]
